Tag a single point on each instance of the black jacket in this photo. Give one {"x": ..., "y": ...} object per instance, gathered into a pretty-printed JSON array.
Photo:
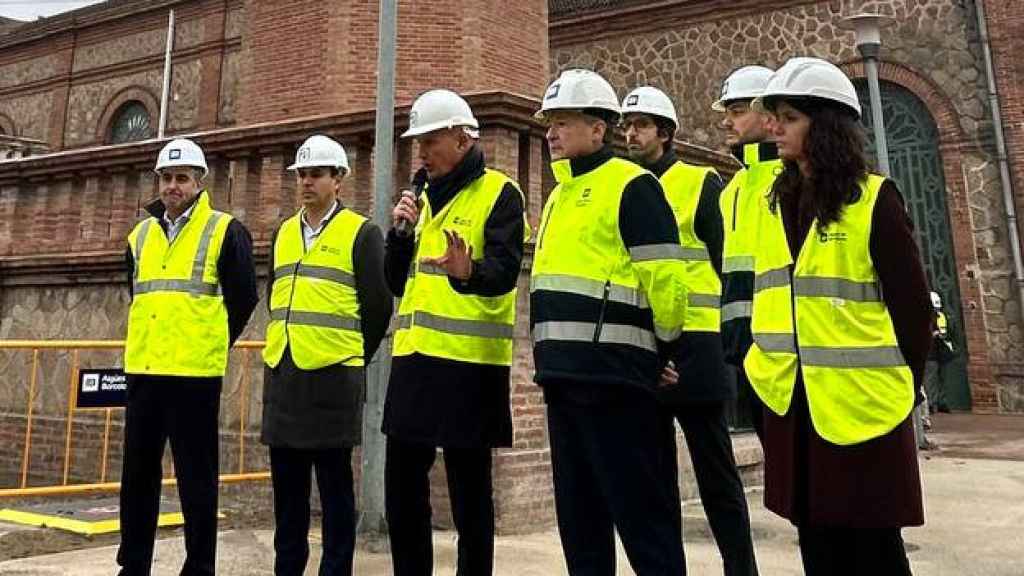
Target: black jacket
[
  {"x": 323, "y": 408},
  {"x": 699, "y": 358},
  {"x": 443, "y": 402}
]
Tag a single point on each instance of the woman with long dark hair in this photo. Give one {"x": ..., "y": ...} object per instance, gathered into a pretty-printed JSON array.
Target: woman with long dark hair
[{"x": 841, "y": 333}]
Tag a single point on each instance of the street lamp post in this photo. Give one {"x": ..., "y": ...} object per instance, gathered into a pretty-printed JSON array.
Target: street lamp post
[{"x": 867, "y": 28}]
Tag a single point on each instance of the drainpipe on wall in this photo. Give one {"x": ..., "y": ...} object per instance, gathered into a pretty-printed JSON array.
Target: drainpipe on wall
[{"x": 1004, "y": 168}]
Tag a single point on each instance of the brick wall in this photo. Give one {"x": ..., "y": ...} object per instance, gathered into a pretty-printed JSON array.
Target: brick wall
[
  {"x": 310, "y": 57},
  {"x": 1006, "y": 31},
  {"x": 66, "y": 76}
]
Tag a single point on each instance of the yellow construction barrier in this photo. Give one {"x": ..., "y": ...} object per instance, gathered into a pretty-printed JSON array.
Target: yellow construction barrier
[{"x": 103, "y": 486}]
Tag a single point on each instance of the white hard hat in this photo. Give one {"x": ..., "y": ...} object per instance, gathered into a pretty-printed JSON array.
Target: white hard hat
[
  {"x": 744, "y": 83},
  {"x": 181, "y": 152},
  {"x": 438, "y": 110},
  {"x": 578, "y": 90},
  {"x": 811, "y": 78},
  {"x": 936, "y": 300},
  {"x": 320, "y": 151},
  {"x": 650, "y": 100}
]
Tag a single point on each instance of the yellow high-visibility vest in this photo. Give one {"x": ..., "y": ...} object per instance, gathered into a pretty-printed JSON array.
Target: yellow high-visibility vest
[
  {"x": 825, "y": 316},
  {"x": 580, "y": 253},
  {"x": 683, "y": 184},
  {"x": 177, "y": 322},
  {"x": 741, "y": 202},
  {"x": 434, "y": 319},
  {"x": 314, "y": 308}
]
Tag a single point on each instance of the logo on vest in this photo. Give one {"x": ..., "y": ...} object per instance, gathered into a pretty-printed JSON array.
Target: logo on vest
[
  {"x": 330, "y": 249},
  {"x": 825, "y": 237},
  {"x": 584, "y": 198},
  {"x": 462, "y": 221}
]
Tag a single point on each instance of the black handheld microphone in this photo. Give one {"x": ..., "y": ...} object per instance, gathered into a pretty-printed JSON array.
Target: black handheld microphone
[{"x": 404, "y": 228}]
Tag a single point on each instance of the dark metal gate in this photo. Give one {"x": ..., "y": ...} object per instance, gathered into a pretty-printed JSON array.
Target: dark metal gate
[{"x": 917, "y": 168}]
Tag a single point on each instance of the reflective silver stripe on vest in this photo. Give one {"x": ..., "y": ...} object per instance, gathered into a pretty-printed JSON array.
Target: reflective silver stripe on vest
[
  {"x": 189, "y": 286},
  {"x": 199, "y": 265},
  {"x": 737, "y": 264},
  {"x": 195, "y": 286},
  {"x": 318, "y": 319},
  {"x": 656, "y": 252},
  {"x": 696, "y": 254},
  {"x": 319, "y": 272},
  {"x": 584, "y": 332},
  {"x": 703, "y": 300},
  {"x": 587, "y": 287},
  {"x": 668, "y": 335},
  {"x": 736, "y": 310},
  {"x": 456, "y": 326},
  {"x": 432, "y": 269},
  {"x": 140, "y": 242},
  {"x": 860, "y": 357},
  {"x": 768, "y": 342},
  {"x": 772, "y": 279},
  {"x": 836, "y": 288}
]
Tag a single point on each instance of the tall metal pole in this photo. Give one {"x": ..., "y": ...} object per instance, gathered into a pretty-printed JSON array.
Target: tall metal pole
[
  {"x": 870, "y": 53},
  {"x": 372, "y": 522},
  {"x": 164, "y": 95}
]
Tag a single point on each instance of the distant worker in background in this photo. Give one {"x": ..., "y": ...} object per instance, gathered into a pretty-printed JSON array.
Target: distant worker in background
[{"x": 941, "y": 354}]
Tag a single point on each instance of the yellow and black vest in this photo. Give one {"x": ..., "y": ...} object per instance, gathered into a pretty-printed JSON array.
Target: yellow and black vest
[
  {"x": 742, "y": 200},
  {"x": 683, "y": 184},
  {"x": 177, "y": 322},
  {"x": 591, "y": 318},
  {"x": 824, "y": 316},
  {"x": 434, "y": 319},
  {"x": 314, "y": 308}
]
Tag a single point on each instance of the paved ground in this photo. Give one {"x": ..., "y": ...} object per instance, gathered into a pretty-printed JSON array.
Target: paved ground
[{"x": 974, "y": 487}]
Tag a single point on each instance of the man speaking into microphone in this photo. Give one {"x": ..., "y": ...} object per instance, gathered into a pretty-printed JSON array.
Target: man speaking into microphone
[{"x": 453, "y": 256}]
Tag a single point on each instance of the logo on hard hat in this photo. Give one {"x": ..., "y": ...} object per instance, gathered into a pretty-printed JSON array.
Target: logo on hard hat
[
  {"x": 414, "y": 117},
  {"x": 303, "y": 154},
  {"x": 725, "y": 88},
  {"x": 633, "y": 100},
  {"x": 553, "y": 91},
  {"x": 174, "y": 154}
]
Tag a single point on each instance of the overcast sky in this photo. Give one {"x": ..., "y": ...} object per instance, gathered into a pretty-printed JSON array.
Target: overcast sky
[{"x": 32, "y": 9}]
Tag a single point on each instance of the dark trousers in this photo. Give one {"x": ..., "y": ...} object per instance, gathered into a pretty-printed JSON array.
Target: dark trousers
[
  {"x": 291, "y": 471},
  {"x": 407, "y": 505},
  {"x": 184, "y": 410},
  {"x": 610, "y": 471},
  {"x": 721, "y": 491},
  {"x": 853, "y": 551}
]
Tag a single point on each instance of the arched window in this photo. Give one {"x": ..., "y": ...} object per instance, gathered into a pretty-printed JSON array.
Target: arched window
[{"x": 131, "y": 123}]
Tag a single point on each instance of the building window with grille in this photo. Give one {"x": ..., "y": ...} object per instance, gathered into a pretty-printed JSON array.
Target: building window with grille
[{"x": 131, "y": 123}]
